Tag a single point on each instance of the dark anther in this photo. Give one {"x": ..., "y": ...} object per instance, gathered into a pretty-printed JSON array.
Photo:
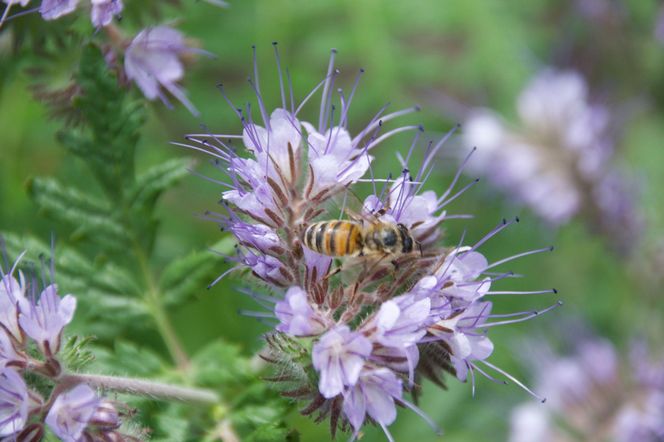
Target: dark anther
[
  {"x": 555, "y": 291},
  {"x": 274, "y": 43},
  {"x": 516, "y": 218},
  {"x": 420, "y": 128}
]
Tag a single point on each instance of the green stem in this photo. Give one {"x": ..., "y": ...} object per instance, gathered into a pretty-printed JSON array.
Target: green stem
[{"x": 153, "y": 301}]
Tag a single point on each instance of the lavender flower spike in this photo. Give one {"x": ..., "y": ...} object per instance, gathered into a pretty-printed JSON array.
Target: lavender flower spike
[
  {"x": 70, "y": 413},
  {"x": 339, "y": 356},
  {"x": 103, "y": 11},
  {"x": 152, "y": 60},
  {"x": 14, "y": 402},
  {"x": 44, "y": 319},
  {"x": 54, "y": 9}
]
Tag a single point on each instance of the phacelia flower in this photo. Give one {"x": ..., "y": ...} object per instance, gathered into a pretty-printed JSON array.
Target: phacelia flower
[
  {"x": 14, "y": 402},
  {"x": 153, "y": 60},
  {"x": 70, "y": 413},
  {"x": 559, "y": 160},
  {"x": 45, "y": 319},
  {"x": 594, "y": 393},
  {"x": 297, "y": 317},
  {"x": 103, "y": 11},
  {"x": 354, "y": 335},
  {"x": 339, "y": 356},
  {"x": 54, "y": 9}
]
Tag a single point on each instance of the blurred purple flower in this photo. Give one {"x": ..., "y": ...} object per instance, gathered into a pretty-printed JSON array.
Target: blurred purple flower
[
  {"x": 103, "y": 11},
  {"x": 153, "y": 61},
  {"x": 268, "y": 268},
  {"x": 12, "y": 299},
  {"x": 590, "y": 394},
  {"x": 45, "y": 319},
  {"x": 557, "y": 161},
  {"x": 297, "y": 317},
  {"x": 14, "y": 401},
  {"x": 54, "y": 9},
  {"x": 70, "y": 413},
  {"x": 338, "y": 356}
]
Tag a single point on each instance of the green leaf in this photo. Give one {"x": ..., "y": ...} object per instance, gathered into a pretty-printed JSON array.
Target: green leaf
[
  {"x": 151, "y": 183},
  {"x": 273, "y": 432},
  {"x": 75, "y": 353},
  {"x": 188, "y": 275},
  {"x": 91, "y": 218}
]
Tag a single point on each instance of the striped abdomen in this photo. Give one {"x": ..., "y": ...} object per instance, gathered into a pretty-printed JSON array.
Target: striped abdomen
[{"x": 334, "y": 238}]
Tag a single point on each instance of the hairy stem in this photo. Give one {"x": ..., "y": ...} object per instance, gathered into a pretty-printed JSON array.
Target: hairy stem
[{"x": 143, "y": 388}]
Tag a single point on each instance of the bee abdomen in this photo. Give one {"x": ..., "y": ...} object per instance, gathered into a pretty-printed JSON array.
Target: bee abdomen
[{"x": 334, "y": 238}]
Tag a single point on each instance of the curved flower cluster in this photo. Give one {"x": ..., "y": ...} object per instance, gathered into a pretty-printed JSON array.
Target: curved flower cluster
[
  {"x": 351, "y": 338},
  {"x": 153, "y": 59},
  {"x": 74, "y": 412},
  {"x": 558, "y": 162},
  {"x": 591, "y": 395},
  {"x": 101, "y": 11}
]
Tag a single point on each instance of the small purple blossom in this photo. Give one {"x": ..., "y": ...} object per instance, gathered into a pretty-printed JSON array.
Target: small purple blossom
[
  {"x": 297, "y": 317},
  {"x": 338, "y": 357},
  {"x": 14, "y": 402},
  {"x": 268, "y": 268},
  {"x": 373, "y": 394},
  {"x": 70, "y": 413},
  {"x": 8, "y": 353},
  {"x": 103, "y": 11},
  {"x": 54, "y": 9},
  {"x": 153, "y": 61},
  {"x": 45, "y": 319}
]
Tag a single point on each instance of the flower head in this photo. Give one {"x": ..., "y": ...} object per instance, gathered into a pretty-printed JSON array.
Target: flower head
[
  {"x": 153, "y": 61},
  {"x": 45, "y": 319},
  {"x": 14, "y": 401},
  {"x": 590, "y": 390},
  {"x": 70, "y": 413},
  {"x": 352, "y": 337},
  {"x": 559, "y": 160}
]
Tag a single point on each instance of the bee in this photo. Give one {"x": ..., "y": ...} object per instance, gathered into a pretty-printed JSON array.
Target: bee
[{"x": 352, "y": 238}]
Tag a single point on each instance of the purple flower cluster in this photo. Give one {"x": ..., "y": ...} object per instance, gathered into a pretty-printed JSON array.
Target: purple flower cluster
[
  {"x": 559, "y": 160},
  {"x": 101, "y": 11},
  {"x": 593, "y": 395},
  {"x": 352, "y": 339},
  {"x": 74, "y": 412},
  {"x": 153, "y": 59}
]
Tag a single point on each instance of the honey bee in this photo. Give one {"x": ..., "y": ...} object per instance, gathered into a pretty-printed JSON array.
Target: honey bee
[{"x": 352, "y": 238}]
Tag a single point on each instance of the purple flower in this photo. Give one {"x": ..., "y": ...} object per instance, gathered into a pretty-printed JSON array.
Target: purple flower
[
  {"x": 464, "y": 337},
  {"x": 579, "y": 387},
  {"x": 558, "y": 158},
  {"x": 53, "y": 9},
  {"x": 12, "y": 299},
  {"x": 458, "y": 276},
  {"x": 297, "y": 317},
  {"x": 44, "y": 320},
  {"x": 317, "y": 265},
  {"x": 268, "y": 268},
  {"x": 258, "y": 236},
  {"x": 334, "y": 159},
  {"x": 338, "y": 357},
  {"x": 152, "y": 60},
  {"x": 103, "y": 11},
  {"x": 14, "y": 401},
  {"x": 70, "y": 413},
  {"x": 373, "y": 394}
]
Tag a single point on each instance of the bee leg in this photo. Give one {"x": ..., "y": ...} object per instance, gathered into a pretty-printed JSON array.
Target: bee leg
[
  {"x": 395, "y": 264},
  {"x": 332, "y": 273},
  {"x": 419, "y": 246}
]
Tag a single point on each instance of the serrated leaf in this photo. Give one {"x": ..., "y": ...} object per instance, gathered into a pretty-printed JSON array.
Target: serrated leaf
[
  {"x": 151, "y": 183},
  {"x": 273, "y": 432},
  {"x": 128, "y": 359},
  {"x": 75, "y": 352},
  {"x": 189, "y": 275},
  {"x": 90, "y": 217}
]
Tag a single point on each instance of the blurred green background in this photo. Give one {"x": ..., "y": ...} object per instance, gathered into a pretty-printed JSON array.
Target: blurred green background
[{"x": 476, "y": 52}]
